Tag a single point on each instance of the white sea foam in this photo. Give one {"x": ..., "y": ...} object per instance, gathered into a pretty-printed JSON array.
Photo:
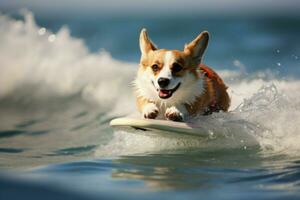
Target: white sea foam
[
  {"x": 264, "y": 113},
  {"x": 37, "y": 64}
]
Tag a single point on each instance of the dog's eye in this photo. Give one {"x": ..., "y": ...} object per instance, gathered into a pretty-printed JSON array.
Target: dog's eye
[
  {"x": 176, "y": 68},
  {"x": 155, "y": 68}
]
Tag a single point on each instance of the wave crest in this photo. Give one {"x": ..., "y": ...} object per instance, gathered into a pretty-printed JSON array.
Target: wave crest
[{"x": 39, "y": 64}]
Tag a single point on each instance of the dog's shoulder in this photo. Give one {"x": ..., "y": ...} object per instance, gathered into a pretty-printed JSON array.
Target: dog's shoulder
[{"x": 212, "y": 75}]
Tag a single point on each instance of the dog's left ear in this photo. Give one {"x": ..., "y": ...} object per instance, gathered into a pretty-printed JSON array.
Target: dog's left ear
[{"x": 196, "y": 48}]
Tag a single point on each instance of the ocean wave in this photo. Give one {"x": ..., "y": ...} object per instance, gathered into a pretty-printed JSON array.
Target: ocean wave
[
  {"x": 37, "y": 64},
  {"x": 267, "y": 119}
]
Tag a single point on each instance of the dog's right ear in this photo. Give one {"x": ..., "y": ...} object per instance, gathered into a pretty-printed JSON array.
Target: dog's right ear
[{"x": 145, "y": 43}]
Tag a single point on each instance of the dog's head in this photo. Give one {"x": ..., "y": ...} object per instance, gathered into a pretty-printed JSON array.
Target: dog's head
[{"x": 167, "y": 73}]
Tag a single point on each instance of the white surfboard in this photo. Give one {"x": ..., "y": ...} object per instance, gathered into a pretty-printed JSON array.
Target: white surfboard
[{"x": 160, "y": 125}]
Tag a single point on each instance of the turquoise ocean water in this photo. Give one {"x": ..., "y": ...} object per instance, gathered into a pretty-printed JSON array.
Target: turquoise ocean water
[{"x": 63, "y": 78}]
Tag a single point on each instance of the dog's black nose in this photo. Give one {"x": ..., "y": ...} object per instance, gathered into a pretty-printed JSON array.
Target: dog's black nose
[{"x": 163, "y": 82}]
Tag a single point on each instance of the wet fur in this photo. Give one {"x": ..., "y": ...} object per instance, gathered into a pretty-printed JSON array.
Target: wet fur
[{"x": 197, "y": 90}]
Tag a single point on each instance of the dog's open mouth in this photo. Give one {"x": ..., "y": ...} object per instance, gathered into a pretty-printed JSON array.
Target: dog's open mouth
[{"x": 165, "y": 94}]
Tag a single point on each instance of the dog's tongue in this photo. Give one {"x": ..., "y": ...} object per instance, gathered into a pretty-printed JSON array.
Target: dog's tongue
[{"x": 164, "y": 93}]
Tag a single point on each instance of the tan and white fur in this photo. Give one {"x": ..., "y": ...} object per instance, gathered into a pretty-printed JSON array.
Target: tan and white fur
[{"x": 171, "y": 85}]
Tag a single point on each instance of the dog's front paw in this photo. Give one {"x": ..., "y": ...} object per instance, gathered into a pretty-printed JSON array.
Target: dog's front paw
[
  {"x": 150, "y": 111},
  {"x": 174, "y": 114}
]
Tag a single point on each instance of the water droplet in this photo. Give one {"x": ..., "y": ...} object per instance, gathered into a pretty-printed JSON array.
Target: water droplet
[
  {"x": 245, "y": 147},
  {"x": 277, "y": 51},
  {"x": 295, "y": 57},
  {"x": 278, "y": 64},
  {"x": 211, "y": 134},
  {"x": 51, "y": 38},
  {"x": 42, "y": 31}
]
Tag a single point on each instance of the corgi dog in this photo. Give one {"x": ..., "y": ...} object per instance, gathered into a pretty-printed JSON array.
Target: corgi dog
[{"x": 174, "y": 85}]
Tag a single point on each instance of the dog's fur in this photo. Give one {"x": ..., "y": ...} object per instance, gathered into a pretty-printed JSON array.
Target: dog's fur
[{"x": 192, "y": 88}]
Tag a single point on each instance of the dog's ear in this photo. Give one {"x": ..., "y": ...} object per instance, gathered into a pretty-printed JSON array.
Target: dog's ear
[
  {"x": 196, "y": 48},
  {"x": 146, "y": 44}
]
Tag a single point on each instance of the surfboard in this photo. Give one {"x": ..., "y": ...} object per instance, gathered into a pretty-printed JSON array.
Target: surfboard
[{"x": 160, "y": 125}]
